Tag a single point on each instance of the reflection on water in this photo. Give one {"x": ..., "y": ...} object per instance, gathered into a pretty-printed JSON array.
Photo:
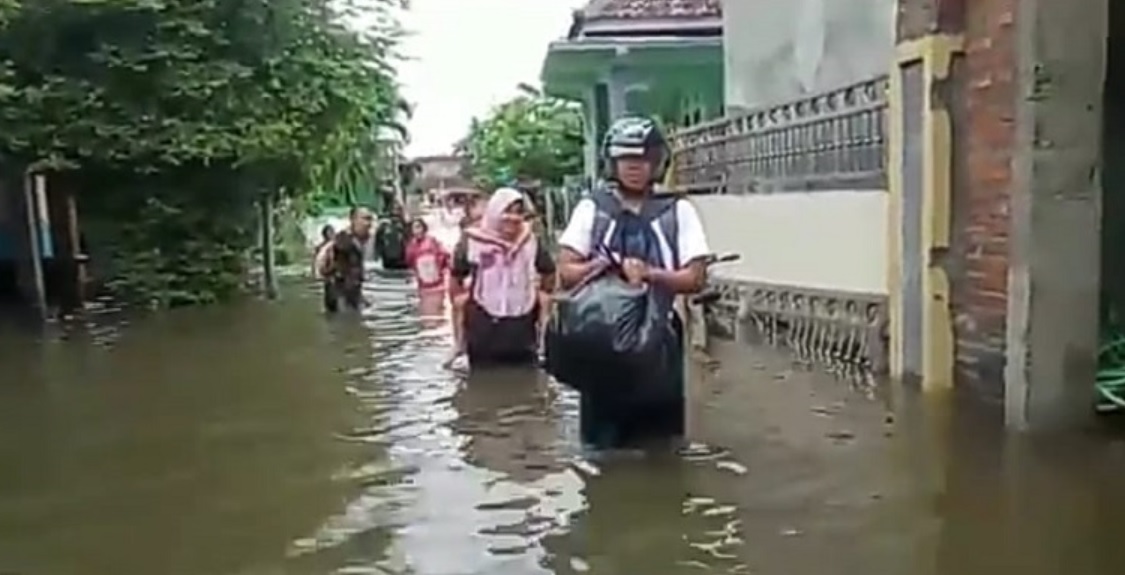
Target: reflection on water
[
  {"x": 265, "y": 438},
  {"x": 191, "y": 443}
]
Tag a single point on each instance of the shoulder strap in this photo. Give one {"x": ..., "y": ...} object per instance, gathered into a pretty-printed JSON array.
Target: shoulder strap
[
  {"x": 662, "y": 208},
  {"x": 606, "y": 208}
]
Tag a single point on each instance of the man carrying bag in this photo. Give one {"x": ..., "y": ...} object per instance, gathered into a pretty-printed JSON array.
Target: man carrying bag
[{"x": 625, "y": 255}]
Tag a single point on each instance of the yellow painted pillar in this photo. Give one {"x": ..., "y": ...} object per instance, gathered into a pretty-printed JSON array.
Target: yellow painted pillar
[{"x": 935, "y": 53}]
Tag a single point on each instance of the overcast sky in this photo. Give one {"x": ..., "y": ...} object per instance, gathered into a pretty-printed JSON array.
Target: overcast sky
[{"x": 468, "y": 55}]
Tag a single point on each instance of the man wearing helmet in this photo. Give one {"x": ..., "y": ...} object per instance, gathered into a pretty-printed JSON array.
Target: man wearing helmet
[{"x": 660, "y": 241}]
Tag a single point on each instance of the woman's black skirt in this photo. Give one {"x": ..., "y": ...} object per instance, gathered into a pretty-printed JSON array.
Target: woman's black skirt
[{"x": 500, "y": 341}]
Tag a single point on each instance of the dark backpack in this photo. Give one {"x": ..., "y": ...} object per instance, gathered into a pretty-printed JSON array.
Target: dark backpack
[{"x": 660, "y": 207}]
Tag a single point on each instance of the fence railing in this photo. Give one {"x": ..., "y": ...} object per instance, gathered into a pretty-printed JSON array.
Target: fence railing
[
  {"x": 558, "y": 203},
  {"x": 842, "y": 332},
  {"x": 832, "y": 140}
]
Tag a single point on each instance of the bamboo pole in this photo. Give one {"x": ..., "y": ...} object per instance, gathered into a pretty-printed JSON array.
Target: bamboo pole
[{"x": 269, "y": 262}]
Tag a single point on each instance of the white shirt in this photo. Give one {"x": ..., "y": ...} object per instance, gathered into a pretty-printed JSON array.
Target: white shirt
[{"x": 692, "y": 240}]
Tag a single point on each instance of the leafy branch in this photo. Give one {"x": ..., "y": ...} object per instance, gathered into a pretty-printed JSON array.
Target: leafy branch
[{"x": 530, "y": 137}]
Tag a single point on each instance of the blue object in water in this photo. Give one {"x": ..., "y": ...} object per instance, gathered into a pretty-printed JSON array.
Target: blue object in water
[{"x": 8, "y": 249}]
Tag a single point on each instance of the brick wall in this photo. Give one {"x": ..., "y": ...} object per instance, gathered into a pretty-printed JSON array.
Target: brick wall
[
  {"x": 984, "y": 109},
  {"x": 981, "y": 97}
]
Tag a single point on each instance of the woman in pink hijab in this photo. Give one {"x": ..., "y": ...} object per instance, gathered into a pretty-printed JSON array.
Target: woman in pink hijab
[{"x": 503, "y": 268}]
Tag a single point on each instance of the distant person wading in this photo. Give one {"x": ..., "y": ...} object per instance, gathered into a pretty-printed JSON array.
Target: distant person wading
[
  {"x": 340, "y": 262},
  {"x": 458, "y": 294},
  {"x": 391, "y": 239}
]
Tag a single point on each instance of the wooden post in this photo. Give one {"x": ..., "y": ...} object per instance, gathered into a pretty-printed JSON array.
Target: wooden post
[
  {"x": 79, "y": 255},
  {"x": 35, "y": 244},
  {"x": 269, "y": 275},
  {"x": 67, "y": 270}
]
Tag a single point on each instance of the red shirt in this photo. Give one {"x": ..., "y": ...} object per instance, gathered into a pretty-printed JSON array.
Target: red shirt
[{"x": 429, "y": 261}]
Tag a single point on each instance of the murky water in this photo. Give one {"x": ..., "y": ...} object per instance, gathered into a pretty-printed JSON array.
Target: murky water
[{"x": 267, "y": 439}]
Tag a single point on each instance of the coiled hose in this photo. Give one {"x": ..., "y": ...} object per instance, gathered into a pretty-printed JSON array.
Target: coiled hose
[{"x": 1111, "y": 371}]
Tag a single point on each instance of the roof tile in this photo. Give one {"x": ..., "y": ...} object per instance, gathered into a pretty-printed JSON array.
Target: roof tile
[{"x": 652, "y": 9}]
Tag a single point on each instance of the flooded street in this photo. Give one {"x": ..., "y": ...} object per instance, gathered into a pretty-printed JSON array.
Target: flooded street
[{"x": 265, "y": 438}]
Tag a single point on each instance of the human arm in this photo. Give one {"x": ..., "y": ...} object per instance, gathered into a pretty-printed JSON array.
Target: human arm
[
  {"x": 575, "y": 262},
  {"x": 322, "y": 259},
  {"x": 460, "y": 267},
  {"x": 546, "y": 269},
  {"x": 692, "y": 245}
]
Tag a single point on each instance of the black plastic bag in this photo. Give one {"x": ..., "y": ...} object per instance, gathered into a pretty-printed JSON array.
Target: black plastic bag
[{"x": 606, "y": 330}]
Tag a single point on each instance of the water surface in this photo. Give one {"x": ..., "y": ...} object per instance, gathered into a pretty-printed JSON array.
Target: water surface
[{"x": 264, "y": 438}]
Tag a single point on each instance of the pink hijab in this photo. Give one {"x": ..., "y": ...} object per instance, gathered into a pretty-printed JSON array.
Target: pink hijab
[{"x": 505, "y": 280}]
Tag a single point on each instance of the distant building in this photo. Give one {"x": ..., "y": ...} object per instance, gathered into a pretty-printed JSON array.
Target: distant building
[{"x": 434, "y": 173}]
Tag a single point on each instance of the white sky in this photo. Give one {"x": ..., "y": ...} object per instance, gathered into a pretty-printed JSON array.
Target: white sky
[{"x": 467, "y": 56}]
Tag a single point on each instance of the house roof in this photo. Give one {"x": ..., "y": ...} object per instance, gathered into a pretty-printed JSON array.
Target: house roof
[{"x": 651, "y": 9}]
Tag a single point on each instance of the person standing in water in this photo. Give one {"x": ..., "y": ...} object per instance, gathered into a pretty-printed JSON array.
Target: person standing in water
[
  {"x": 391, "y": 239},
  {"x": 502, "y": 266},
  {"x": 341, "y": 262},
  {"x": 429, "y": 262},
  {"x": 660, "y": 241},
  {"x": 327, "y": 234},
  {"x": 458, "y": 296},
  {"x": 321, "y": 260}
]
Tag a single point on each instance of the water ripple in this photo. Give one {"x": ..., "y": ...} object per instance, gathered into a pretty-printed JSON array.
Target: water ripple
[{"x": 481, "y": 474}]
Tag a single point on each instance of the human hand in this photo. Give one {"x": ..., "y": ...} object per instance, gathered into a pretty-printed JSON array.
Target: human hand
[{"x": 635, "y": 270}]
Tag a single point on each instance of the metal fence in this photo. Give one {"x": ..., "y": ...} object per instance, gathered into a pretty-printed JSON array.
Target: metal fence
[
  {"x": 842, "y": 332},
  {"x": 558, "y": 203},
  {"x": 832, "y": 140}
]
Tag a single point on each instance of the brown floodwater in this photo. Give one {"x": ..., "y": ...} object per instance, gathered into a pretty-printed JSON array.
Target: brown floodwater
[{"x": 265, "y": 438}]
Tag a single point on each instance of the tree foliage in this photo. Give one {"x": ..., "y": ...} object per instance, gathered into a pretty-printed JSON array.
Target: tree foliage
[
  {"x": 173, "y": 111},
  {"x": 529, "y": 138}
]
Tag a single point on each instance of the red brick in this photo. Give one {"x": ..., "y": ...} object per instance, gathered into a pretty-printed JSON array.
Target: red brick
[
  {"x": 983, "y": 113},
  {"x": 988, "y": 272}
]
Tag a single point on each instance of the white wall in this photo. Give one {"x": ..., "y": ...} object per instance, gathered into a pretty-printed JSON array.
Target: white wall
[
  {"x": 775, "y": 50},
  {"x": 830, "y": 240}
]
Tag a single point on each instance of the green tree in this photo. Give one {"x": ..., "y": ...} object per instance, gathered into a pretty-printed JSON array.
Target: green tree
[
  {"x": 530, "y": 138},
  {"x": 173, "y": 117},
  {"x": 360, "y": 170}
]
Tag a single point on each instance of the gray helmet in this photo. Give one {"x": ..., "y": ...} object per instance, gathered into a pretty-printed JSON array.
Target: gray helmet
[{"x": 635, "y": 137}]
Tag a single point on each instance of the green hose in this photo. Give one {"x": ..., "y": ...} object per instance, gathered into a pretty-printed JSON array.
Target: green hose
[{"x": 1111, "y": 372}]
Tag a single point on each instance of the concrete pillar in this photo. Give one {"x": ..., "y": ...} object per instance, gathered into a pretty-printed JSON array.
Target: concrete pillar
[
  {"x": 617, "y": 82},
  {"x": 626, "y": 89},
  {"x": 1054, "y": 267},
  {"x": 590, "y": 130},
  {"x": 920, "y": 166}
]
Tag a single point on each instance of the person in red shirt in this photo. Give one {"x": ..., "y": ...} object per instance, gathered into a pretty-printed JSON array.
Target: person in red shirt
[{"x": 428, "y": 259}]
